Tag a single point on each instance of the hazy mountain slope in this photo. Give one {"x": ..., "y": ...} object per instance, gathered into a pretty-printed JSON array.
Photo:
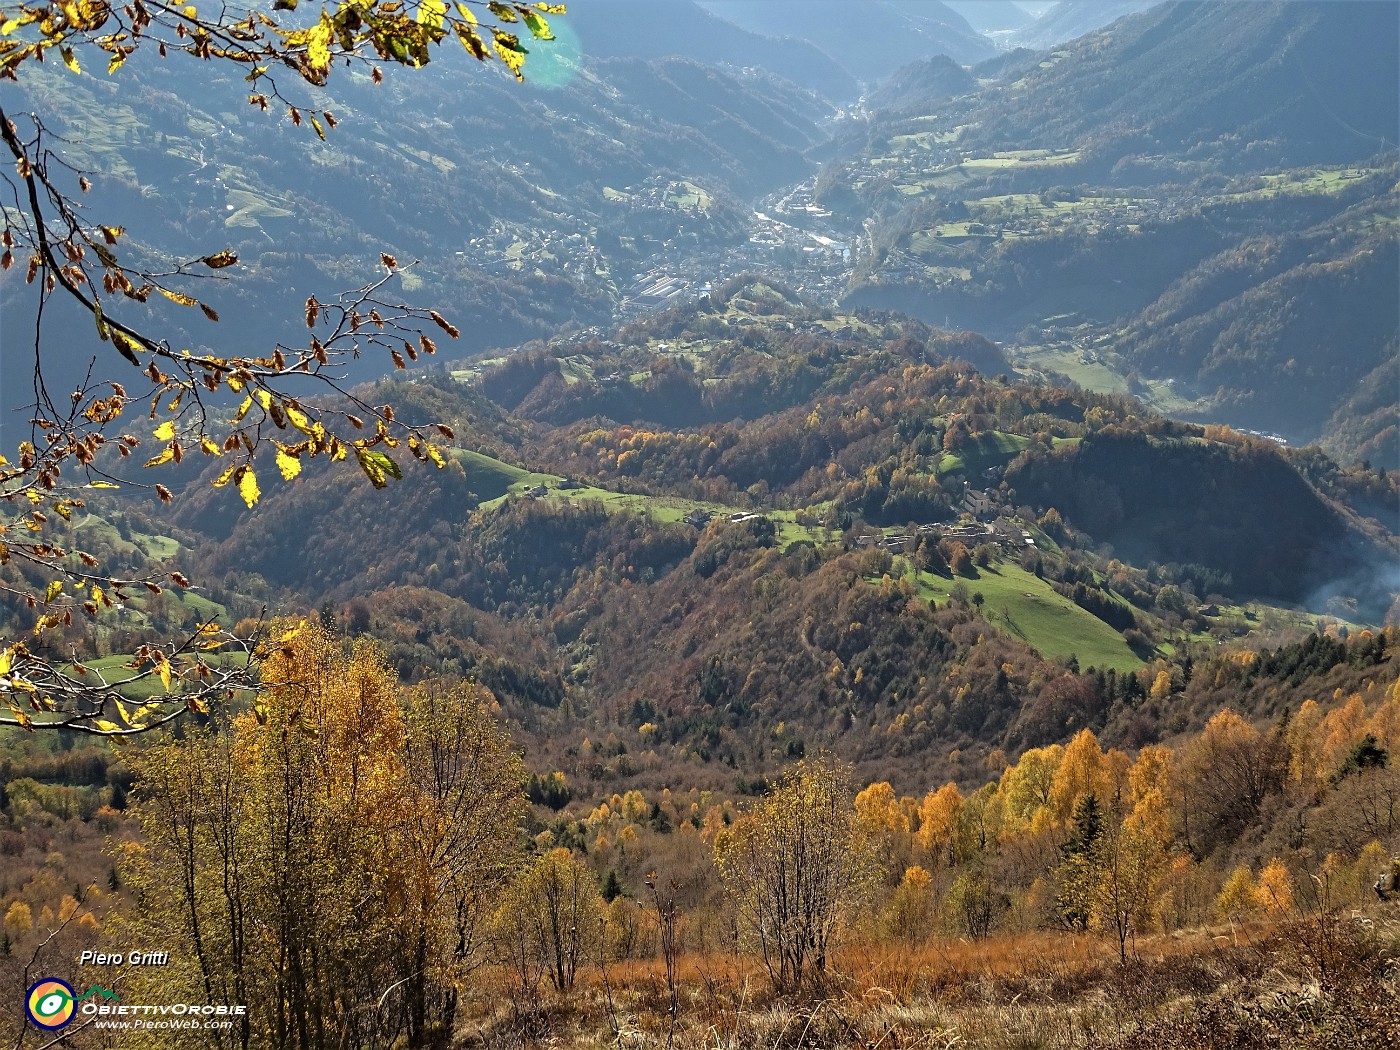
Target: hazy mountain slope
[
  {"x": 1366, "y": 427},
  {"x": 991, "y": 16},
  {"x": 757, "y": 130},
  {"x": 868, "y": 38},
  {"x": 1103, "y": 209},
  {"x": 1298, "y": 79},
  {"x": 1070, "y": 19},
  {"x": 1276, "y": 328},
  {"x": 921, "y": 85},
  {"x": 643, "y": 29},
  {"x": 482, "y": 179},
  {"x": 1017, "y": 61}
]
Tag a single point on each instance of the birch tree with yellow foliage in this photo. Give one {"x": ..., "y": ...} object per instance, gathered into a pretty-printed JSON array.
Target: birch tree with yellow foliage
[
  {"x": 793, "y": 865},
  {"x": 325, "y": 860}
]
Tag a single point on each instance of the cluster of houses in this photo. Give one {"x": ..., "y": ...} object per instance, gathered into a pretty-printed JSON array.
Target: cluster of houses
[
  {"x": 800, "y": 201},
  {"x": 678, "y": 262},
  {"x": 700, "y": 517},
  {"x": 815, "y": 266},
  {"x": 541, "y": 490},
  {"x": 508, "y": 246},
  {"x": 1001, "y": 533}
]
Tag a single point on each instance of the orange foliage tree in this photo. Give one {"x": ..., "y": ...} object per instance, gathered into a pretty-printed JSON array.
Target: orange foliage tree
[{"x": 325, "y": 862}]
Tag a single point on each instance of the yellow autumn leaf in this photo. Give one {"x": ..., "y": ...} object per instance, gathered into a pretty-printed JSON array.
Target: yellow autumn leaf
[
  {"x": 5, "y": 661},
  {"x": 11, "y": 24},
  {"x": 288, "y": 464},
  {"x": 106, "y": 726},
  {"x": 143, "y": 712},
  {"x": 165, "y": 431},
  {"x": 178, "y": 297},
  {"x": 248, "y": 486},
  {"x": 297, "y": 417},
  {"x": 219, "y": 260},
  {"x": 430, "y": 13},
  {"x": 538, "y": 27},
  {"x": 509, "y": 50},
  {"x": 471, "y": 41},
  {"x": 227, "y": 476},
  {"x": 318, "y": 45}
]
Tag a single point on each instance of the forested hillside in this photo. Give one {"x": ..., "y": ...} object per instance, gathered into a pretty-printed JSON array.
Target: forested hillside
[
  {"x": 542, "y": 198},
  {"x": 1213, "y": 251},
  {"x": 589, "y": 503}
]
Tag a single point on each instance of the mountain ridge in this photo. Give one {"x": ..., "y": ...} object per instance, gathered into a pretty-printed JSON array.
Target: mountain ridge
[{"x": 1061, "y": 206}]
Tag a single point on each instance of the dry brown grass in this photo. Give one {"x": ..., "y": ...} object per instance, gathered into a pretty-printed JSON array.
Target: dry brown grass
[{"x": 1305, "y": 984}]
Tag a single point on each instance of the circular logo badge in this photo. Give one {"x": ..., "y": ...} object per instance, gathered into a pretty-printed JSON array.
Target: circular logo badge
[{"x": 50, "y": 1003}]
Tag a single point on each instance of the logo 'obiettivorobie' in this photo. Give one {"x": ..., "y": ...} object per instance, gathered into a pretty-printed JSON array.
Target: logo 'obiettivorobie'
[{"x": 50, "y": 1003}]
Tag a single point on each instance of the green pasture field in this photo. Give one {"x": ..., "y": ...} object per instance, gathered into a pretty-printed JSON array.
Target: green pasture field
[
  {"x": 115, "y": 670},
  {"x": 487, "y": 475},
  {"x": 1027, "y": 607},
  {"x": 250, "y": 209},
  {"x": 991, "y": 448},
  {"x": 689, "y": 197}
]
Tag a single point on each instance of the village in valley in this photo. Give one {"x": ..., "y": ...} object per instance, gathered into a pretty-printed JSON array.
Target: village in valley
[{"x": 679, "y": 242}]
